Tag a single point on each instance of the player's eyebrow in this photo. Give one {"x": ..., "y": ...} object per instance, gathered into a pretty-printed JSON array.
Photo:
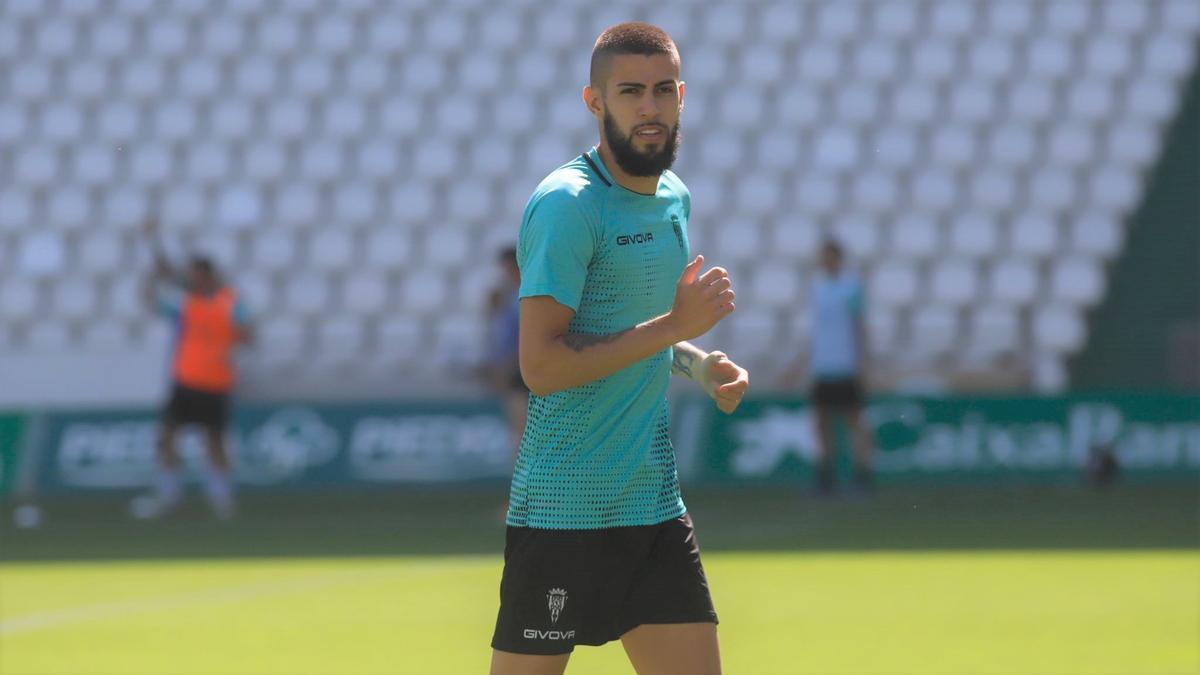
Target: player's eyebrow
[{"x": 639, "y": 85}]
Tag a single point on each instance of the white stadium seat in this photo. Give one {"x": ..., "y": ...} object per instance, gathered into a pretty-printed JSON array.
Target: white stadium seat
[
  {"x": 102, "y": 335},
  {"x": 355, "y": 204},
  {"x": 19, "y": 299},
  {"x": 1067, "y": 18},
  {"x": 297, "y": 204},
  {"x": 1096, "y": 234},
  {"x": 934, "y": 330},
  {"x": 776, "y": 284},
  {"x": 1010, "y": 18},
  {"x": 127, "y": 207},
  {"x": 334, "y": 34},
  {"x": 273, "y": 250},
  {"x": 895, "y": 19},
  {"x": 1014, "y": 281},
  {"x": 287, "y": 338},
  {"x": 264, "y": 161},
  {"x": 199, "y": 78},
  {"x": 1031, "y": 101},
  {"x": 307, "y": 295},
  {"x": 991, "y": 59},
  {"x": 42, "y": 254},
  {"x": 954, "y": 146},
  {"x": 71, "y": 208},
  {"x": 365, "y": 293},
  {"x": 1059, "y": 329},
  {"x": 1077, "y": 280},
  {"x": 206, "y": 163},
  {"x": 915, "y": 236},
  {"x": 340, "y": 340},
  {"x": 877, "y": 62},
  {"x": 820, "y": 61},
  {"x": 955, "y": 282},
  {"x": 1034, "y": 235},
  {"x": 101, "y": 252},
  {"x": 738, "y": 240},
  {"x": 1108, "y": 56},
  {"x": 330, "y": 249},
  {"x": 256, "y": 290},
  {"x": 795, "y": 238},
  {"x": 1013, "y": 145},
  {"x": 1050, "y": 57},
  {"x": 973, "y": 101},
  {"x": 1071, "y": 145},
  {"x": 1051, "y": 189},
  {"x": 995, "y": 329},
  {"x": 74, "y": 297},
  {"x": 839, "y": 20},
  {"x": 894, "y": 283},
  {"x": 859, "y": 234},
  {"x": 876, "y": 191},
  {"x": 322, "y": 161},
  {"x": 953, "y": 19},
  {"x": 239, "y": 207},
  {"x": 423, "y": 291}
]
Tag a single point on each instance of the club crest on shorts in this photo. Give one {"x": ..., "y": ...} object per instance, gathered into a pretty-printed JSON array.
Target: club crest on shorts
[{"x": 557, "y": 598}]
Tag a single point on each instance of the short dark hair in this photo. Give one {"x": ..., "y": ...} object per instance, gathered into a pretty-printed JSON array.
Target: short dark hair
[
  {"x": 631, "y": 37},
  {"x": 508, "y": 254},
  {"x": 203, "y": 264},
  {"x": 834, "y": 246}
]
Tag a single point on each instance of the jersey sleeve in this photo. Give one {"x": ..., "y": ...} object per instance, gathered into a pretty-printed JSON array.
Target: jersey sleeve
[
  {"x": 168, "y": 301},
  {"x": 242, "y": 316},
  {"x": 858, "y": 299},
  {"x": 555, "y": 248}
]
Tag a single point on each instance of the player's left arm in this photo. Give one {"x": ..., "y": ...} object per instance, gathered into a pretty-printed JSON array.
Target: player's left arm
[
  {"x": 243, "y": 321},
  {"x": 725, "y": 381}
]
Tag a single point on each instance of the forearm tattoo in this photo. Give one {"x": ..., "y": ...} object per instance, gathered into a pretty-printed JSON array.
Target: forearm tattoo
[
  {"x": 683, "y": 363},
  {"x": 580, "y": 342}
]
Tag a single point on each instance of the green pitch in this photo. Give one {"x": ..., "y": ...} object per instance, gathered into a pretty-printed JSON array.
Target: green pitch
[{"x": 1071, "y": 582}]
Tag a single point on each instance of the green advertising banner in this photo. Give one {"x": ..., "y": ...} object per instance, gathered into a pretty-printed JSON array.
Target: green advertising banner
[
  {"x": 774, "y": 438},
  {"x": 287, "y": 446},
  {"x": 303, "y": 446},
  {"x": 11, "y": 434}
]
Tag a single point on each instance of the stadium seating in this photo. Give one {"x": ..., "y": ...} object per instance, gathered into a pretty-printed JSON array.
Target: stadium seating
[{"x": 355, "y": 166}]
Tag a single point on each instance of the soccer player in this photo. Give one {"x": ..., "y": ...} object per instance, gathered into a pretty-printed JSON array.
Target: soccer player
[
  {"x": 837, "y": 361},
  {"x": 210, "y": 322},
  {"x": 599, "y": 544}
]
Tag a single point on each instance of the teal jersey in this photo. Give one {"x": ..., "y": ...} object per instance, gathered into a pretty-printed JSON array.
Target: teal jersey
[{"x": 599, "y": 455}]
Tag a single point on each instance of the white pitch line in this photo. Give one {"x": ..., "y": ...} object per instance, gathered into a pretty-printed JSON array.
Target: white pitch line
[{"x": 197, "y": 598}]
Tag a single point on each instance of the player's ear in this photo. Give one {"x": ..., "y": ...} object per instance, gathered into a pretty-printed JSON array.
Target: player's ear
[
  {"x": 682, "y": 89},
  {"x": 591, "y": 98}
]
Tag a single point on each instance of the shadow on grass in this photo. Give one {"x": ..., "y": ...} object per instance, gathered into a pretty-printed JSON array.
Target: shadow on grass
[{"x": 1149, "y": 516}]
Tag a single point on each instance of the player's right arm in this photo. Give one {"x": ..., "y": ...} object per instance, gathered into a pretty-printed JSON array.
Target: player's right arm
[
  {"x": 554, "y": 359},
  {"x": 160, "y": 289}
]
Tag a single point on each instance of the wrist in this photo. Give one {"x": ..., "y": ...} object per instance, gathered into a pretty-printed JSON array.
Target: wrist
[{"x": 669, "y": 325}]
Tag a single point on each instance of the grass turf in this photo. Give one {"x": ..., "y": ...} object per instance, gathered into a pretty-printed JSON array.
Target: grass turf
[{"x": 1034, "y": 580}]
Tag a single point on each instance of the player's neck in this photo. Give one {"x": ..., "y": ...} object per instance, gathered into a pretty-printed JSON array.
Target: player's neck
[{"x": 646, "y": 185}]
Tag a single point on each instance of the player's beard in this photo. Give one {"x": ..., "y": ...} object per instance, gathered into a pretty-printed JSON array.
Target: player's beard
[{"x": 637, "y": 163}]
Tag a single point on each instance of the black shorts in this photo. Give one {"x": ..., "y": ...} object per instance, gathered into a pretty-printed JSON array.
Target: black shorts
[
  {"x": 563, "y": 588},
  {"x": 195, "y": 406},
  {"x": 843, "y": 392}
]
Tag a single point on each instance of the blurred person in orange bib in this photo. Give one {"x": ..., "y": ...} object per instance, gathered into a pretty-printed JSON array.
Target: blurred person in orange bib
[{"x": 211, "y": 321}]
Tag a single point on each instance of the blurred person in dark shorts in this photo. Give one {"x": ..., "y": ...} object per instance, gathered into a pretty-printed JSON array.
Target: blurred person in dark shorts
[
  {"x": 210, "y": 322},
  {"x": 502, "y": 368},
  {"x": 837, "y": 365}
]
